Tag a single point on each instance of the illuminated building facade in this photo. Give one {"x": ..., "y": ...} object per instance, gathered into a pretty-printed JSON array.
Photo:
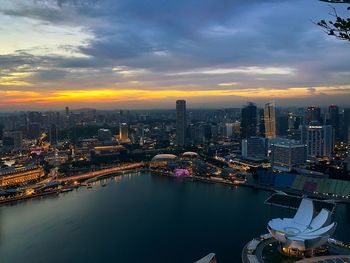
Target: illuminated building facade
[
  {"x": 124, "y": 133},
  {"x": 12, "y": 177},
  {"x": 163, "y": 160},
  {"x": 270, "y": 120},
  {"x": 319, "y": 140},
  {"x": 286, "y": 154}
]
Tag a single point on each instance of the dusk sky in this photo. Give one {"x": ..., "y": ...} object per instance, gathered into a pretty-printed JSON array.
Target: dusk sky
[{"x": 111, "y": 54}]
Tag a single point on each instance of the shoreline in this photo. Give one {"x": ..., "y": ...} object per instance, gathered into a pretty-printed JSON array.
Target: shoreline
[
  {"x": 65, "y": 189},
  {"x": 210, "y": 180},
  {"x": 322, "y": 197}
]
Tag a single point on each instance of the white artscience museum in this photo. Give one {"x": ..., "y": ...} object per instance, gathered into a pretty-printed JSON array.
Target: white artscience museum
[{"x": 302, "y": 234}]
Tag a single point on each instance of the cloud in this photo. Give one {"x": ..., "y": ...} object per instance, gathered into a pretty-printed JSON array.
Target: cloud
[
  {"x": 241, "y": 70},
  {"x": 173, "y": 45}
]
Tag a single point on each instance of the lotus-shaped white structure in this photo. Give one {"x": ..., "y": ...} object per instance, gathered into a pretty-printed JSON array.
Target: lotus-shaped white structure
[{"x": 304, "y": 231}]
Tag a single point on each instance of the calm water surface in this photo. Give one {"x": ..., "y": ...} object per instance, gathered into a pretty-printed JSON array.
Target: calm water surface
[{"x": 140, "y": 218}]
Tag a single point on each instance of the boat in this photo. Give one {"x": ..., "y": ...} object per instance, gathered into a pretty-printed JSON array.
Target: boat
[{"x": 89, "y": 185}]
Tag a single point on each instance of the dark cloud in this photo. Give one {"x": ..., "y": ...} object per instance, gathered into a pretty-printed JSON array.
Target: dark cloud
[
  {"x": 167, "y": 37},
  {"x": 51, "y": 75}
]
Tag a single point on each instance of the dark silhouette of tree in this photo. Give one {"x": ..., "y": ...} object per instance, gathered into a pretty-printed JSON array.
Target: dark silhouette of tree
[{"x": 339, "y": 27}]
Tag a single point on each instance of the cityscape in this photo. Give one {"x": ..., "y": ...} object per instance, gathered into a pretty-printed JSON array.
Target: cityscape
[{"x": 128, "y": 136}]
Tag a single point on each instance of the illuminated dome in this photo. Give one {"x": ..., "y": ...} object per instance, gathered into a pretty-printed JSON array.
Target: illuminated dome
[
  {"x": 190, "y": 155},
  {"x": 303, "y": 231},
  {"x": 164, "y": 157},
  {"x": 162, "y": 160}
]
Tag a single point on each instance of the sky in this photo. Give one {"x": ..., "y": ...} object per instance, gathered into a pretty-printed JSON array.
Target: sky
[{"x": 135, "y": 54}]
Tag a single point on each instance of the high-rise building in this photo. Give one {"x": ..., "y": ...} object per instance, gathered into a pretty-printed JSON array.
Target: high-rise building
[
  {"x": 319, "y": 139},
  {"x": 286, "y": 154},
  {"x": 67, "y": 119},
  {"x": 34, "y": 116},
  {"x": 270, "y": 120},
  {"x": 282, "y": 125},
  {"x": 53, "y": 134},
  {"x": 33, "y": 131},
  {"x": 249, "y": 121},
  {"x": 7, "y": 143},
  {"x": 197, "y": 133},
  {"x": 313, "y": 113},
  {"x": 181, "y": 123},
  {"x": 346, "y": 125},
  {"x": 261, "y": 123},
  {"x": 333, "y": 120},
  {"x": 348, "y": 158},
  {"x": 124, "y": 133},
  {"x": 17, "y": 139},
  {"x": 104, "y": 134},
  {"x": 229, "y": 129},
  {"x": 236, "y": 126},
  {"x": 254, "y": 147}
]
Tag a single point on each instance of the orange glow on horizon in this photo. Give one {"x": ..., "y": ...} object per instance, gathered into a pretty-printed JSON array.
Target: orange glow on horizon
[{"x": 10, "y": 97}]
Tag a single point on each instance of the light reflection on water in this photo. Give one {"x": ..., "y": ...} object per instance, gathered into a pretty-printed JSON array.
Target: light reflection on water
[{"x": 140, "y": 218}]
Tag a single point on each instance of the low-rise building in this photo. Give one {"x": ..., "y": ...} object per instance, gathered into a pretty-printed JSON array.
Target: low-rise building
[{"x": 10, "y": 177}]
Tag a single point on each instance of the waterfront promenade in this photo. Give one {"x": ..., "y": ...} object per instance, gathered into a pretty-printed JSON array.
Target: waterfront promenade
[
  {"x": 99, "y": 173},
  {"x": 59, "y": 187}
]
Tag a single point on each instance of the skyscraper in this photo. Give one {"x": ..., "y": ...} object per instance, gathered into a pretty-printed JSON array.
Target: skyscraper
[
  {"x": 181, "y": 122},
  {"x": 53, "y": 134},
  {"x": 313, "y": 113},
  {"x": 67, "y": 116},
  {"x": 261, "y": 122},
  {"x": 124, "y": 133},
  {"x": 346, "y": 125},
  {"x": 270, "y": 120},
  {"x": 249, "y": 121},
  {"x": 319, "y": 140},
  {"x": 282, "y": 125},
  {"x": 333, "y": 120},
  {"x": 17, "y": 140}
]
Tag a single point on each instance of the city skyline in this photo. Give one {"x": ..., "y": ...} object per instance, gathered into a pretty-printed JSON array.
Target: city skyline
[
  {"x": 175, "y": 131},
  {"x": 109, "y": 55}
]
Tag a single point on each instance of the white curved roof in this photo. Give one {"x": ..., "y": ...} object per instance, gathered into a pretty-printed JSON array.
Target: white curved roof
[
  {"x": 164, "y": 157},
  {"x": 303, "y": 231},
  {"x": 190, "y": 154}
]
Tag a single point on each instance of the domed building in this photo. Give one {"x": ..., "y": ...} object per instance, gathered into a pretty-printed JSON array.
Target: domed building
[
  {"x": 163, "y": 160},
  {"x": 190, "y": 156}
]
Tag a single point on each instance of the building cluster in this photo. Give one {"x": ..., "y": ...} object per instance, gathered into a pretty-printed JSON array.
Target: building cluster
[
  {"x": 17, "y": 176},
  {"x": 284, "y": 139},
  {"x": 287, "y": 138}
]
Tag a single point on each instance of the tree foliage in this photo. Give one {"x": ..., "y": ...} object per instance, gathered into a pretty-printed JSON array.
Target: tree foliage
[{"x": 339, "y": 27}]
